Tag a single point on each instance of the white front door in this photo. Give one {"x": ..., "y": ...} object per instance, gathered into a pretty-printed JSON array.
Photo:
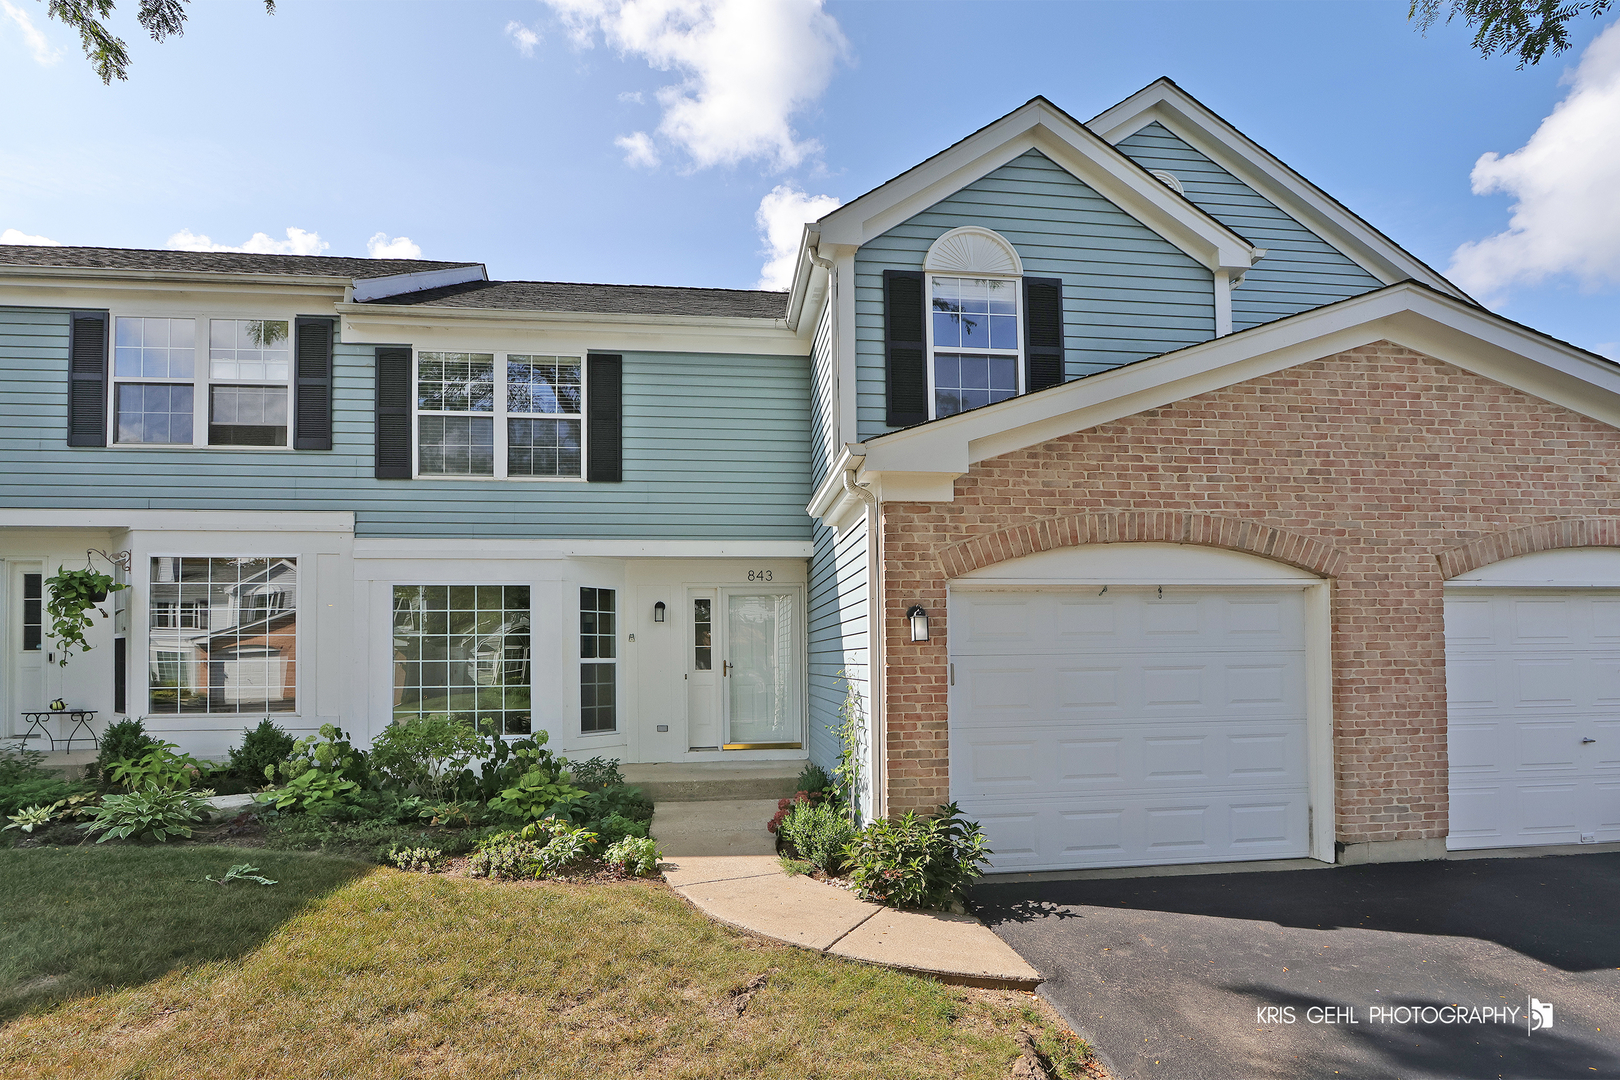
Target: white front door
[
  {"x": 1130, "y": 728},
  {"x": 1533, "y": 716},
  {"x": 24, "y": 643}
]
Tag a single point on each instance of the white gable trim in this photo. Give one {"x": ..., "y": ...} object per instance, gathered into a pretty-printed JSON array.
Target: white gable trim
[
  {"x": 1408, "y": 314},
  {"x": 1194, "y": 123},
  {"x": 1039, "y": 125}
]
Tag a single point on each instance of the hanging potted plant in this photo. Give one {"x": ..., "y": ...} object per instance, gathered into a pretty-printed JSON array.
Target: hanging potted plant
[{"x": 73, "y": 593}]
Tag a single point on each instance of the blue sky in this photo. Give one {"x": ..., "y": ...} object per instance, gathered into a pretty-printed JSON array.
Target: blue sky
[{"x": 501, "y": 131}]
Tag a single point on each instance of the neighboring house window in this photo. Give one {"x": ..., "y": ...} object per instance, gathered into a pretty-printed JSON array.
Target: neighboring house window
[
  {"x": 33, "y": 621},
  {"x": 464, "y": 650},
  {"x": 598, "y": 653},
  {"x": 501, "y": 415},
  {"x": 245, "y": 660},
  {"x": 158, "y": 383}
]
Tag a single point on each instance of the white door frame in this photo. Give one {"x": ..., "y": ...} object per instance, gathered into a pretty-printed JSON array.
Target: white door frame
[{"x": 1188, "y": 567}]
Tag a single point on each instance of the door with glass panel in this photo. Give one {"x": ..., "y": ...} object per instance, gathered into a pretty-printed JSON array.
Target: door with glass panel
[
  {"x": 761, "y": 672},
  {"x": 703, "y": 672}
]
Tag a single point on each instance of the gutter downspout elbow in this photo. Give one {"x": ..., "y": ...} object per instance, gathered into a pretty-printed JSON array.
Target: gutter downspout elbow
[{"x": 860, "y": 491}]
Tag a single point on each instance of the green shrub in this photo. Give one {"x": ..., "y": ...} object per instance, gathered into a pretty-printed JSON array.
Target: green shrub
[
  {"x": 570, "y": 846},
  {"x": 427, "y": 753},
  {"x": 152, "y": 812},
  {"x": 819, "y": 833},
  {"x": 505, "y": 857},
  {"x": 33, "y": 791},
  {"x": 311, "y": 791},
  {"x": 596, "y": 774},
  {"x": 329, "y": 751},
  {"x": 813, "y": 778},
  {"x": 538, "y": 784},
  {"x": 616, "y": 827},
  {"x": 418, "y": 860},
  {"x": 157, "y": 766},
  {"x": 620, "y": 799},
  {"x": 918, "y": 861},
  {"x": 262, "y": 747},
  {"x": 636, "y": 856},
  {"x": 126, "y": 739}
]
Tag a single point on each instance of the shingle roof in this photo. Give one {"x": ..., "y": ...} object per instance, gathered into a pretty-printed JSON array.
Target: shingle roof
[
  {"x": 606, "y": 299},
  {"x": 219, "y": 262}
]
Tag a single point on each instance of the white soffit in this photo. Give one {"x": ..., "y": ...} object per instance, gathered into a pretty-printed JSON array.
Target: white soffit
[
  {"x": 1407, "y": 314},
  {"x": 1040, "y": 125},
  {"x": 1209, "y": 134}
]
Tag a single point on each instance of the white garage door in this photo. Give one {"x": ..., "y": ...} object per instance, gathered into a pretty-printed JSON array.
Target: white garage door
[
  {"x": 1126, "y": 729},
  {"x": 1533, "y": 704}
]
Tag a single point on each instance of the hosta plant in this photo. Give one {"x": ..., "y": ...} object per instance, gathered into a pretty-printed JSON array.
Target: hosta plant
[
  {"x": 311, "y": 790},
  {"x": 29, "y": 817},
  {"x": 151, "y": 813}
]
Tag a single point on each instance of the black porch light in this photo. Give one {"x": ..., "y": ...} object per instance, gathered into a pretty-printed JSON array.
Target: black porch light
[{"x": 658, "y": 611}]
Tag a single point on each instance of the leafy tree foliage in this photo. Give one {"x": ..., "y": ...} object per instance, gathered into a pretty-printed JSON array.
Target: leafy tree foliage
[
  {"x": 1526, "y": 27},
  {"x": 107, "y": 53}
]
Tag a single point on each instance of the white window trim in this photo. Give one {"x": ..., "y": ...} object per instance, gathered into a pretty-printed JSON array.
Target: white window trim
[
  {"x": 200, "y": 379},
  {"x": 500, "y": 416},
  {"x": 928, "y": 330}
]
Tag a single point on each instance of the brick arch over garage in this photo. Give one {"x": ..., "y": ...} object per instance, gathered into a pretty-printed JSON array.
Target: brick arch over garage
[
  {"x": 1234, "y": 534},
  {"x": 1527, "y": 540}
]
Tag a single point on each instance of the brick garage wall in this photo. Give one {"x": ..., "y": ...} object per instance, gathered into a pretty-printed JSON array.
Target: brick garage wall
[{"x": 1384, "y": 469}]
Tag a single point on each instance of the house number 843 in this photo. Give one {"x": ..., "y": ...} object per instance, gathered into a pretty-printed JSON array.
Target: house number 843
[{"x": 759, "y": 575}]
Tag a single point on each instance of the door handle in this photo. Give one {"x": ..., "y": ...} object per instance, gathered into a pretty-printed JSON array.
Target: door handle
[
  {"x": 725, "y": 668},
  {"x": 1588, "y": 740}
]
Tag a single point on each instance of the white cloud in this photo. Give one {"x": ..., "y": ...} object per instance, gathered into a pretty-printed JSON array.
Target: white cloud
[
  {"x": 298, "y": 242},
  {"x": 32, "y": 36},
  {"x": 639, "y": 151},
  {"x": 781, "y": 218},
  {"x": 524, "y": 38},
  {"x": 630, "y": 97},
  {"x": 746, "y": 67},
  {"x": 400, "y": 247},
  {"x": 17, "y": 236},
  {"x": 1566, "y": 217}
]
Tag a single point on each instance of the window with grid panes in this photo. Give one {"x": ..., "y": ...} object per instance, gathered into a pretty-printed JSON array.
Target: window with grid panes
[
  {"x": 598, "y": 655},
  {"x": 464, "y": 650}
]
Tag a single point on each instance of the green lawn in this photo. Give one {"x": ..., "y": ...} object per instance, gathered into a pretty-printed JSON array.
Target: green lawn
[{"x": 349, "y": 971}]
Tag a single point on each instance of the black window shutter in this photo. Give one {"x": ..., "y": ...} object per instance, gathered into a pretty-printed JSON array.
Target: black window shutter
[
  {"x": 312, "y": 393},
  {"x": 905, "y": 347},
  {"x": 604, "y": 417},
  {"x": 393, "y": 412},
  {"x": 1043, "y": 333},
  {"x": 87, "y": 379}
]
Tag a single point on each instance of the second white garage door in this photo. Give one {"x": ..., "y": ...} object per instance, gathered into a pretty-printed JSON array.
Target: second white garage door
[{"x": 1129, "y": 729}]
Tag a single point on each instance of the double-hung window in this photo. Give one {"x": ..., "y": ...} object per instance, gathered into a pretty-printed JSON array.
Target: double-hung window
[
  {"x": 974, "y": 342},
  {"x": 164, "y": 395},
  {"x": 498, "y": 415}
]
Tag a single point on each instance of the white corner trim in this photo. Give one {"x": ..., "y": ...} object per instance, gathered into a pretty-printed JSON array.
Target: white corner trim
[
  {"x": 1194, "y": 123},
  {"x": 973, "y": 249},
  {"x": 1411, "y": 315},
  {"x": 1223, "y": 302},
  {"x": 400, "y": 284}
]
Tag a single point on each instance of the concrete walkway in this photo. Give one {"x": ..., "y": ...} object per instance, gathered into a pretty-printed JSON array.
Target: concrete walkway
[{"x": 719, "y": 856}]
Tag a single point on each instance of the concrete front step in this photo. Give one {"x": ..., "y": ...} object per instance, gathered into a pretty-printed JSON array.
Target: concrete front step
[{"x": 720, "y": 781}]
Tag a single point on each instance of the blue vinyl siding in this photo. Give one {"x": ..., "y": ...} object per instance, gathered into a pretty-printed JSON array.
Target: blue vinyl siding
[
  {"x": 1300, "y": 271},
  {"x": 714, "y": 447},
  {"x": 838, "y": 634},
  {"x": 1127, "y": 292},
  {"x": 824, "y": 399}
]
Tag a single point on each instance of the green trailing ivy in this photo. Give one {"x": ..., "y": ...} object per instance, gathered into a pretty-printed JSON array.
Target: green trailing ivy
[{"x": 73, "y": 595}]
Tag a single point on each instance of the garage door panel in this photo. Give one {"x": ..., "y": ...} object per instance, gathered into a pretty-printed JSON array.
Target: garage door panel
[
  {"x": 1018, "y": 623},
  {"x": 1108, "y": 757},
  {"x": 1521, "y": 698},
  {"x": 1056, "y": 833}
]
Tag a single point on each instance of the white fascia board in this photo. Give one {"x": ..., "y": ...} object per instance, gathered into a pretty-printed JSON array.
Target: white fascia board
[
  {"x": 236, "y": 521},
  {"x": 421, "y": 281},
  {"x": 94, "y": 291},
  {"x": 653, "y": 333},
  {"x": 104, "y": 276},
  {"x": 1410, "y": 315},
  {"x": 1191, "y": 121},
  {"x": 460, "y": 550},
  {"x": 1038, "y": 126}
]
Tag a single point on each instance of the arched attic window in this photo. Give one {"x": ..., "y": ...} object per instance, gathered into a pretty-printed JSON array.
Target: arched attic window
[{"x": 987, "y": 332}]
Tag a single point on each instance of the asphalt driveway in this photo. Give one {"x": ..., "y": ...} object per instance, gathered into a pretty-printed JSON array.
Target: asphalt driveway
[{"x": 1176, "y": 976}]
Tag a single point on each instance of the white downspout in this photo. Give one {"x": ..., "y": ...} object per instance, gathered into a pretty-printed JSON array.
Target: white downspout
[{"x": 877, "y": 760}]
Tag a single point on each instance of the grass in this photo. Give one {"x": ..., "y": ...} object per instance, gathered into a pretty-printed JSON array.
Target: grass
[{"x": 395, "y": 975}]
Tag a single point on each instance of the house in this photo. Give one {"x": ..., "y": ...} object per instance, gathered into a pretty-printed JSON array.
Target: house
[{"x": 1160, "y": 509}]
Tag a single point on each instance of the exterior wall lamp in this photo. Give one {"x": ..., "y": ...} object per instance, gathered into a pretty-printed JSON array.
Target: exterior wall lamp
[
  {"x": 919, "y": 622},
  {"x": 658, "y": 611}
]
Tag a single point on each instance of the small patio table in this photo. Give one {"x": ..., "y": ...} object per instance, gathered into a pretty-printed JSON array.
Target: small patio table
[{"x": 36, "y": 725}]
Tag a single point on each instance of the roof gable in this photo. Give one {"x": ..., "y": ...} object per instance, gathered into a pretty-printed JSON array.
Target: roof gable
[
  {"x": 1038, "y": 125},
  {"x": 1195, "y": 124}
]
